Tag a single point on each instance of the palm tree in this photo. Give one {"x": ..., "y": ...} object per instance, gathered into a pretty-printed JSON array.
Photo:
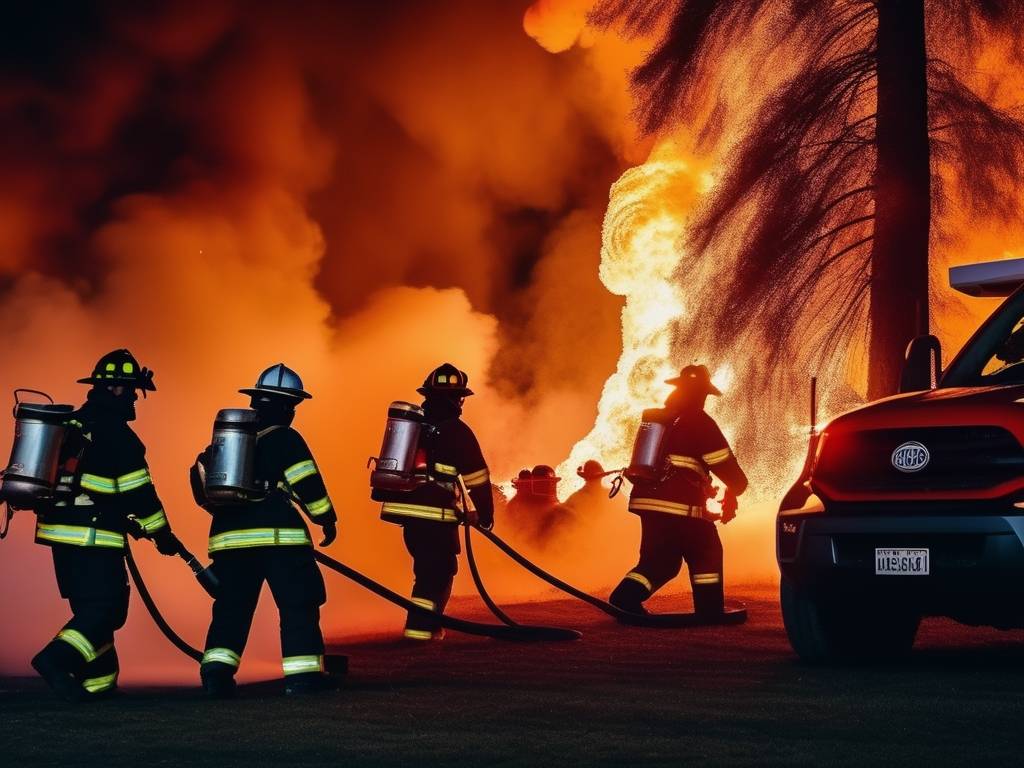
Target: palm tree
[{"x": 829, "y": 192}]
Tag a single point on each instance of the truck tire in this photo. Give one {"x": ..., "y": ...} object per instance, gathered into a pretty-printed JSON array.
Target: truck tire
[{"x": 824, "y": 633}]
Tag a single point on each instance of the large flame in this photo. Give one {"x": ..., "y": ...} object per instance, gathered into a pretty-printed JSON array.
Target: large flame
[{"x": 641, "y": 257}]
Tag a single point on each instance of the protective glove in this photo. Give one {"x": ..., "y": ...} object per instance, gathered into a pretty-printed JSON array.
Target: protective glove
[
  {"x": 166, "y": 542},
  {"x": 330, "y": 534},
  {"x": 485, "y": 522},
  {"x": 729, "y": 506}
]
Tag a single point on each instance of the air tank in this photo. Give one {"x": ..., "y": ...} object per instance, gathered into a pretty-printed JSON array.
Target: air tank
[
  {"x": 31, "y": 474},
  {"x": 395, "y": 468},
  {"x": 647, "y": 462},
  {"x": 231, "y": 462}
]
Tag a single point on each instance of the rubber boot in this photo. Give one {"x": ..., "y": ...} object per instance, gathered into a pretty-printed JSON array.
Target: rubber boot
[
  {"x": 55, "y": 664},
  {"x": 709, "y": 601},
  {"x": 218, "y": 681},
  {"x": 310, "y": 682},
  {"x": 629, "y": 596}
]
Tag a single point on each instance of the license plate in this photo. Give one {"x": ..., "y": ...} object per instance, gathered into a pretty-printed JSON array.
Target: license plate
[{"x": 901, "y": 562}]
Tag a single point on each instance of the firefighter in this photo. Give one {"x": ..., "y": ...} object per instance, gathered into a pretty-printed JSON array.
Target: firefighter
[
  {"x": 593, "y": 495},
  {"x": 534, "y": 510},
  {"x": 676, "y": 525},
  {"x": 428, "y": 515},
  {"x": 267, "y": 540},
  {"x": 104, "y": 491}
]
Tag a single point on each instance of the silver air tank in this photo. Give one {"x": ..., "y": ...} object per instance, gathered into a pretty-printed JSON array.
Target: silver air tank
[
  {"x": 231, "y": 461},
  {"x": 395, "y": 468},
  {"x": 31, "y": 474},
  {"x": 647, "y": 462}
]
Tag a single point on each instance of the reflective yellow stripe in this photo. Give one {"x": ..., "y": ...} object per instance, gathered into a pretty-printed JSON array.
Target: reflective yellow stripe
[
  {"x": 418, "y": 634},
  {"x": 79, "y": 642},
  {"x": 687, "y": 462},
  {"x": 424, "y": 603},
  {"x": 706, "y": 578},
  {"x": 98, "y": 483},
  {"x": 154, "y": 522},
  {"x": 446, "y": 469},
  {"x": 717, "y": 457},
  {"x": 100, "y": 684},
  {"x": 259, "y": 537},
  {"x": 122, "y": 484},
  {"x": 641, "y": 579},
  {"x": 473, "y": 479},
  {"x": 297, "y": 665},
  {"x": 419, "y": 511},
  {"x": 133, "y": 480},
  {"x": 319, "y": 507},
  {"x": 299, "y": 471},
  {"x": 669, "y": 507},
  {"x": 79, "y": 536},
  {"x": 222, "y": 656}
]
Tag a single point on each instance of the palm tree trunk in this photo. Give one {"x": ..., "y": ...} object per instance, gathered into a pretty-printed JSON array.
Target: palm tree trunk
[{"x": 899, "y": 257}]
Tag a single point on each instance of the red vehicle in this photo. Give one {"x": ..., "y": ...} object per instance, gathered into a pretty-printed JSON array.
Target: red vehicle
[{"x": 913, "y": 505}]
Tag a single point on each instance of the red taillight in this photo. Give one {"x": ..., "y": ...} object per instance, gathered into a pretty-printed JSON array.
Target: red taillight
[{"x": 421, "y": 459}]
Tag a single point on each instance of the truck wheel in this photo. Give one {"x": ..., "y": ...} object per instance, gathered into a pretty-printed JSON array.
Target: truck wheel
[{"x": 825, "y": 633}]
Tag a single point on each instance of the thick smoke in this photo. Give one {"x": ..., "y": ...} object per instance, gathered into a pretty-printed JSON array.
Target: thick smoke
[{"x": 360, "y": 192}]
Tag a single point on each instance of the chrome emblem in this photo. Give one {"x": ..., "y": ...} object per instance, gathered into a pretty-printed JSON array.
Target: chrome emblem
[{"x": 911, "y": 457}]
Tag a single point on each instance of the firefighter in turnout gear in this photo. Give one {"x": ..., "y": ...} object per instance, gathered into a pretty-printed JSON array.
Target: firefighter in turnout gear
[
  {"x": 104, "y": 491},
  {"x": 428, "y": 514},
  {"x": 267, "y": 540},
  {"x": 676, "y": 525}
]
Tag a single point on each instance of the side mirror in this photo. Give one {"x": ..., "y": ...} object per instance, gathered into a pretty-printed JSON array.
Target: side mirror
[{"x": 922, "y": 368}]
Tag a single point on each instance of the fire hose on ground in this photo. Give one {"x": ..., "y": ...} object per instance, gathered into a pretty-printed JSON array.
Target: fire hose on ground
[
  {"x": 509, "y": 630},
  {"x": 733, "y": 615}
]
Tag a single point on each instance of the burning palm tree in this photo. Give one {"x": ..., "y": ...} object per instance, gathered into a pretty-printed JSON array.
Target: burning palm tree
[{"x": 827, "y": 198}]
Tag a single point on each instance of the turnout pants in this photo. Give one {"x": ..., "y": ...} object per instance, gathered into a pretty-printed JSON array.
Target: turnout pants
[
  {"x": 298, "y": 589},
  {"x": 95, "y": 583},
  {"x": 434, "y": 548},
  {"x": 666, "y": 541}
]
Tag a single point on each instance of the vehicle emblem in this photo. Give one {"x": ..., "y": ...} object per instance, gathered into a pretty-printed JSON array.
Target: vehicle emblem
[{"x": 911, "y": 457}]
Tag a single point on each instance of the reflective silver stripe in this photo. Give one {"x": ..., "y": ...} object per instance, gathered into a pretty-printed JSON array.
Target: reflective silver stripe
[
  {"x": 640, "y": 579},
  {"x": 79, "y": 642},
  {"x": 717, "y": 457},
  {"x": 259, "y": 537},
  {"x": 687, "y": 462},
  {"x": 474, "y": 479},
  {"x": 298, "y": 665},
  {"x": 299, "y": 471},
  {"x": 668, "y": 507},
  {"x": 419, "y": 511},
  {"x": 706, "y": 578},
  {"x": 222, "y": 656},
  {"x": 418, "y": 634}
]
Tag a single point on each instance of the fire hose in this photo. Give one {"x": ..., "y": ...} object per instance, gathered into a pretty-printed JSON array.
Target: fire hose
[
  {"x": 499, "y": 632},
  {"x": 733, "y": 615}
]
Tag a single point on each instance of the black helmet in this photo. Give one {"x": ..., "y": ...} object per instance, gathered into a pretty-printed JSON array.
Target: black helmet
[
  {"x": 120, "y": 368},
  {"x": 446, "y": 380},
  {"x": 695, "y": 377},
  {"x": 278, "y": 380}
]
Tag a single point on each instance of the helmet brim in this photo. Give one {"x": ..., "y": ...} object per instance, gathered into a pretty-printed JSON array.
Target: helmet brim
[
  {"x": 119, "y": 381},
  {"x": 679, "y": 381},
  {"x": 457, "y": 391},
  {"x": 294, "y": 394}
]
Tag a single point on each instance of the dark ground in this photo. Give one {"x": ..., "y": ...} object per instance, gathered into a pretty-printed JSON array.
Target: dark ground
[{"x": 621, "y": 696}]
